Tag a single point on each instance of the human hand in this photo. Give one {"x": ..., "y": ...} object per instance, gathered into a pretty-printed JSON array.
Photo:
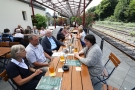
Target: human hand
[
  {"x": 54, "y": 51},
  {"x": 76, "y": 54},
  {"x": 37, "y": 72}
]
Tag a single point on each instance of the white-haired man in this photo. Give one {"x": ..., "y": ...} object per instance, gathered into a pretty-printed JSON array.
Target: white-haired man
[
  {"x": 49, "y": 43},
  {"x": 18, "y": 34}
]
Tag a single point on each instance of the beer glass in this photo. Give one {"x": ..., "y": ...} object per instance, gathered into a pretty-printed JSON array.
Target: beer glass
[
  {"x": 75, "y": 49},
  {"x": 51, "y": 69},
  {"x": 62, "y": 57}
]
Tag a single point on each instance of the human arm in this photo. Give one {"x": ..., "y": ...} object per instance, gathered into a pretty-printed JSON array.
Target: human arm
[
  {"x": 20, "y": 81},
  {"x": 44, "y": 44},
  {"x": 32, "y": 58},
  {"x": 48, "y": 56},
  {"x": 58, "y": 42},
  {"x": 92, "y": 58}
]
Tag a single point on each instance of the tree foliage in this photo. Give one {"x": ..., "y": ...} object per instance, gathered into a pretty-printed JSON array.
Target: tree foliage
[
  {"x": 115, "y": 10},
  {"x": 130, "y": 12},
  {"x": 40, "y": 21},
  {"x": 120, "y": 10}
]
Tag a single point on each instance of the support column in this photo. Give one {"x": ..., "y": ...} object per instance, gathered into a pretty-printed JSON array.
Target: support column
[
  {"x": 54, "y": 20},
  {"x": 32, "y": 9},
  {"x": 84, "y": 14}
]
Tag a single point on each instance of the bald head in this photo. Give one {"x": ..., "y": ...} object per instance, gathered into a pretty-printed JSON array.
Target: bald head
[{"x": 48, "y": 33}]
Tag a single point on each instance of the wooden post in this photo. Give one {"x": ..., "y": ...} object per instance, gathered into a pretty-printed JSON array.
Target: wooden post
[
  {"x": 32, "y": 9},
  {"x": 84, "y": 14},
  {"x": 54, "y": 20}
]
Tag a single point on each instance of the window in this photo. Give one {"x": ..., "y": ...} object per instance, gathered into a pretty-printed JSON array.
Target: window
[{"x": 24, "y": 15}]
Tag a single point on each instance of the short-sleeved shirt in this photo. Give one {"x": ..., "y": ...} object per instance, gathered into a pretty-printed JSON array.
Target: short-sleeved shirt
[{"x": 35, "y": 54}]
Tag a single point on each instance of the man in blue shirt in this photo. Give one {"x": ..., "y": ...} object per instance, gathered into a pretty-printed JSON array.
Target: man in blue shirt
[{"x": 49, "y": 43}]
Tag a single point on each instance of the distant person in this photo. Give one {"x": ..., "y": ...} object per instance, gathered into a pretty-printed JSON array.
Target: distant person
[
  {"x": 7, "y": 34},
  {"x": 27, "y": 31},
  {"x": 49, "y": 43},
  {"x": 82, "y": 35},
  {"x": 19, "y": 27},
  {"x": 20, "y": 72},
  {"x": 93, "y": 56},
  {"x": 29, "y": 28},
  {"x": 35, "y": 30},
  {"x": 62, "y": 33},
  {"x": 42, "y": 31},
  {"x": 19, "y": 34}
]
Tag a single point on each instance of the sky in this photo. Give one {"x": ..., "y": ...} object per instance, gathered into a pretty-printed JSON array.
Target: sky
[{"x": 93, "y": 3}]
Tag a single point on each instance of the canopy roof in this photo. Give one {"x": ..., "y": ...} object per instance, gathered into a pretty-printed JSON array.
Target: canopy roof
[{"x": 67, "y": 8}]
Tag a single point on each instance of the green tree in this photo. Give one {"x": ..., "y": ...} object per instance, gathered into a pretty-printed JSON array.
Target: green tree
[
  {"x": 130, "y": 12},
  {"x": 121, "y": 9},
  {"x": 105, "y": 8},
  {"x": 40, "y": 21}
]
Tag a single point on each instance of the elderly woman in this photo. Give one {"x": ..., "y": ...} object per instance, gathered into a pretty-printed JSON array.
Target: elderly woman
[
  {"x": 93, "y": 56},
  {"x": 18, "y": 70}
]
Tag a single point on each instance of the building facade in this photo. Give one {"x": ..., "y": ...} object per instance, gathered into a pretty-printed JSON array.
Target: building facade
[{"x": 14, "y": 12}]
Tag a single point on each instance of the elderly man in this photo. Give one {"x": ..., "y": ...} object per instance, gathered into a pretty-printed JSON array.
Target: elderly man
[
  {"x": 19, "y": 27},
  {"x": 18, "y": 34},
  {"x": 36, "y": 55},
  {"x": 49, "y": 43}
]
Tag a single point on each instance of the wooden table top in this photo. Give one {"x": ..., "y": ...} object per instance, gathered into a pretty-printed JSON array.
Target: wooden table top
[
  {"x": 72, "y": 79},
  {"x": 4, "y": 50}
]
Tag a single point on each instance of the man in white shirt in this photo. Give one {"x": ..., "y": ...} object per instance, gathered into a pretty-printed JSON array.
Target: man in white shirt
[
  {"x": 36, "y": 55},
  {"x": 18, "y": 34}
]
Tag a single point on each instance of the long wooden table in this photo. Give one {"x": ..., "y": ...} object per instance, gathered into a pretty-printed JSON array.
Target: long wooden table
[
  {"x": 3, "y": 52},
  {"x": 72, "y": 79}
]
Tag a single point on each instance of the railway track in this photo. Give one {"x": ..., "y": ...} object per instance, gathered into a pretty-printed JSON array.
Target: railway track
[
  {"x": 125, "y": 47},
  {"x": 114, "y": 30}
]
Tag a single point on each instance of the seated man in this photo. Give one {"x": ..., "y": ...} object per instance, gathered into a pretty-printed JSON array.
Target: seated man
[
  {"x": 19, "y": 27},
  {"x": 36, "y": 55},
  {"x": 7, "y": 34},
  {"x": 18, "y": 34},
  {"x": 49, "y": 43}
]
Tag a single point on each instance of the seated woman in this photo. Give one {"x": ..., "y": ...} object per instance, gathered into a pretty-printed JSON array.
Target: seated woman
[
  {"x": 7, "y": 34},
  {"x": 19, "y": 71},
  {"x": 93, "y": 56},
  {"x": 81, "y": 36}
]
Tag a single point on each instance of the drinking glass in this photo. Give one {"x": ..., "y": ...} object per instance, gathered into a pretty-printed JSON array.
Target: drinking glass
[
  {"x": 51, "y": 69},
  {"x": 75, "y": 49},
  {"x": 62, "y": 57}
]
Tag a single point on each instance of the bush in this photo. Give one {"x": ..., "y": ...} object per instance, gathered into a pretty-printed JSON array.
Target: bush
[{"x": 40, "y": 21}]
